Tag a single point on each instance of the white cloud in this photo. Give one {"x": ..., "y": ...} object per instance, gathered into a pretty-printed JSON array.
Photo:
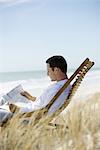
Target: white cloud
[
  {"x": 10, "y": 3},
  {"x": 13, "y": 1}
]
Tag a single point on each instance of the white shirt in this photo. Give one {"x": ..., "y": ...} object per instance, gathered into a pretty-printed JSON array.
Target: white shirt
[{"x": 46, "y": 97}]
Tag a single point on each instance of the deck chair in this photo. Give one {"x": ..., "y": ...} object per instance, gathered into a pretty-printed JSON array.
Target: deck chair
[{"x": 76, "y": 78}]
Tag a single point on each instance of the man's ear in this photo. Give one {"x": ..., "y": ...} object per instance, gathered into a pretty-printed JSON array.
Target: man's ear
[{"x": 56, "y": 69}]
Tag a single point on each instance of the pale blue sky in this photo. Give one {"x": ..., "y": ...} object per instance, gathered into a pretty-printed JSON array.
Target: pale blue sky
[{"x": 33, "y": 30}]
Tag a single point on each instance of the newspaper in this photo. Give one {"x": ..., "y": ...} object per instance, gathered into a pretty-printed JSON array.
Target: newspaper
[{"x": 14, "y": 96}]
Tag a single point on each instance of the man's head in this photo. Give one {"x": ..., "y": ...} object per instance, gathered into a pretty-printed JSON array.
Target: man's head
[{"x": 56, "y": 67}]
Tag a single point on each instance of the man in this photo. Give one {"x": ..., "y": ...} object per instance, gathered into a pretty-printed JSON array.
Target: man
[{"x": 57, "y": 71}]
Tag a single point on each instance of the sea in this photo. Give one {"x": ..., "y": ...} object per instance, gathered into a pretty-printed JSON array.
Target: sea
[{"x": 36, "y": 81}]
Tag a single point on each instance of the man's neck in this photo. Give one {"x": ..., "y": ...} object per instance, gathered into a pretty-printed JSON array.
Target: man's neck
[{"x": 60, "y": 78}]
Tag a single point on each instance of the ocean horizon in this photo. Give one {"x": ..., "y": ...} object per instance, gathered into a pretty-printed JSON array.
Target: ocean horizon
[
  {"x": 36, "y": 81},
  {"x": 25, "y": 75}
]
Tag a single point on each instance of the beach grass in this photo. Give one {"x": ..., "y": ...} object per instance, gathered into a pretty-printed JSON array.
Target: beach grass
[{"x": 79, "y": 129}]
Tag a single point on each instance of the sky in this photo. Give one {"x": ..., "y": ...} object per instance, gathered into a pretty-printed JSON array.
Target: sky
[{"x": 33, "y": 30}]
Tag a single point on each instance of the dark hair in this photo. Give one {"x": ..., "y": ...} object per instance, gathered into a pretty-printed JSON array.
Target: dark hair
[{"x": 59, "y": 62}]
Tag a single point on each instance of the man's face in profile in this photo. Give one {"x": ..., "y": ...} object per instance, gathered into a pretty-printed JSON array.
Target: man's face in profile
[{"x": 51, "y": 73}]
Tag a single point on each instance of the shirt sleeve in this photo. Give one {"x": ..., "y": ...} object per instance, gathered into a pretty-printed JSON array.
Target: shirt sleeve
[{"x": 41, "y": 101}]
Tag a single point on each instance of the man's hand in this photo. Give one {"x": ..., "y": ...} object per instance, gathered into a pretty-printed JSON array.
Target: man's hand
[
  {"x": 27, "y": 95},
  {"x": 13, "y": 108}
]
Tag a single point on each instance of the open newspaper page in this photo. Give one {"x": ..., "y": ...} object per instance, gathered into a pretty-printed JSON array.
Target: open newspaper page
[
  {"x": 14, "y": 96},
  {"x": 4, "y": 107}
]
